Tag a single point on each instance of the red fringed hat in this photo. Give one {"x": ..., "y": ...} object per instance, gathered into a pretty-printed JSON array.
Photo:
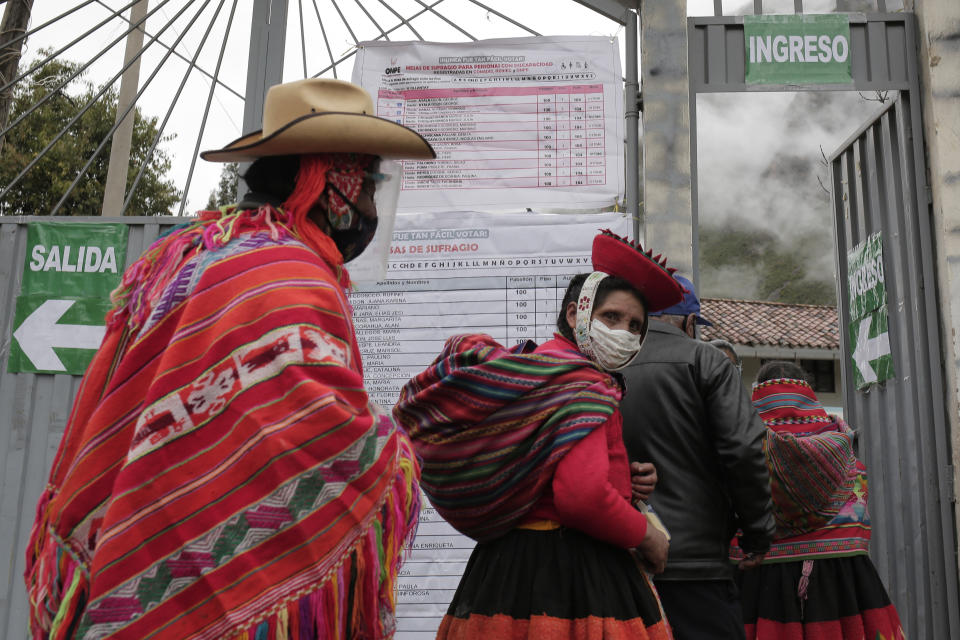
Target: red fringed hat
[
  {"x": 787, "y": 401},
  {"x": 648, "y": 273}
]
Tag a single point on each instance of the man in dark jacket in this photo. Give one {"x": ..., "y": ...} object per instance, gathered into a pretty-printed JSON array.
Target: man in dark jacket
[{"x": 686, "y": 412}]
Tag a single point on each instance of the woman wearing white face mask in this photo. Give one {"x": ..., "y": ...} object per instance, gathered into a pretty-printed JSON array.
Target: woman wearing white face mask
[{"x": 522, "y": 450}]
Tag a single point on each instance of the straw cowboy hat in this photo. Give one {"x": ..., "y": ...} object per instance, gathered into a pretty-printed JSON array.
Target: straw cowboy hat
[{"x": 320, "y": 115}]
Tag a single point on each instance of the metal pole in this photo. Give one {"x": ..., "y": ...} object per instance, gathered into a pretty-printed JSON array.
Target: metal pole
[
  {"x": 16, "y": 17},
  {"x": 669, "y": 215},
  {"x": 123, "y": 137},
  {"x": 268, "y": 35},
  {"x": 631, "y": 103}
]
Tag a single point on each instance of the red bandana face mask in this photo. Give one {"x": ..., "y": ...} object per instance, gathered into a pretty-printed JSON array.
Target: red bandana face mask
[
  {"x": 346, "y": 180},
  {"x": 337, "y": 180},
  {"x": 354, "y": 238}
]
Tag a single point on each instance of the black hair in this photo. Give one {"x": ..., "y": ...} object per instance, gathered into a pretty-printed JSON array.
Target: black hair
[
  {"x": 727, "y": 348},
  {"x": 607, "y": 286},
  {"x": 781, "y": 369},
  {"x": 273, "y": 175}
]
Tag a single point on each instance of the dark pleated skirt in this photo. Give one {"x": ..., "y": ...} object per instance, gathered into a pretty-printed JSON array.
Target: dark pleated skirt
[
  {"x": 554, "y": 584},
  {"x": 845, "y": 600}
]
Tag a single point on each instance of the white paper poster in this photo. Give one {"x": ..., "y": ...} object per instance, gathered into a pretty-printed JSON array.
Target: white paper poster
[
  {"x": 499, "y": 274},
  {"x": 518, "y": 123}
]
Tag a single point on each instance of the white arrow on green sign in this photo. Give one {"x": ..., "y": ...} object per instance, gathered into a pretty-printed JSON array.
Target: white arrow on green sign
[
  {"x": 69, "y": 270},
  {"x": 872, "y": 360},
  {"x": 40, "y": 332},
  {"x": 869, "y": 349},
  {"x": 869, "y": 323}
]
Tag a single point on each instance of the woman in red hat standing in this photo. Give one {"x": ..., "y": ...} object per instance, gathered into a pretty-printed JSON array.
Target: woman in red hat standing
[{"x": 522, "y": 450}]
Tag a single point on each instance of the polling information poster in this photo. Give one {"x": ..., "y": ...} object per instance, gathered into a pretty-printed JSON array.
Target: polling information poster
[
  {"x": 503, "y": 275},
  {"x": 518, "y": 124}
]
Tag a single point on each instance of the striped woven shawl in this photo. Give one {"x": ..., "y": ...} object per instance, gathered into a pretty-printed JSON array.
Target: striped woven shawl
[
  {"x": 819, "y": 487},
  {"x": 491, "y": 423},
  {"x": 222, "y": 474}
]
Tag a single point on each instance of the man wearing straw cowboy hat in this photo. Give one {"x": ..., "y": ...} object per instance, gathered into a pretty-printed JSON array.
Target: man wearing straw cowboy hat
[{"x": 223, "y": 474}]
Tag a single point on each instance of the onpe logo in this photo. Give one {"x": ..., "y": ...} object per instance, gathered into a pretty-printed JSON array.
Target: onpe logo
[{"x": 392, "y": 70}]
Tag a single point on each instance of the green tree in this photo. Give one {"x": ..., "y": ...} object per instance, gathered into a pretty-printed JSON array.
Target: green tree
[
  {"x": 226, "y": 191},
  {"x": 46, "y": 182}
]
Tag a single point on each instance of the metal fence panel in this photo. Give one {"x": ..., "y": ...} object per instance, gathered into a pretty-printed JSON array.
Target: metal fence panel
[
  {"x": 33, "y": 413},
  {"x": 879, "y": 185}
]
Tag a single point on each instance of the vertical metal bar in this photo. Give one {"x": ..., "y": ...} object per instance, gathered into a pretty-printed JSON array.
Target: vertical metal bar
[
  {"x": 948, "y": 621},
  {"x": 717, "y": 7},
  {"x": 400, "y": 18},
  {"x": 631, "y": 90},
  {"x": 920, "y": 574},
  {"x": 326, "y": 40},
  {"x": 176, "y": 53},
  {"x": 123, "y": 136},
  {"x": 166, "y": 118},
  {"x": 372, "y": 19},
  {"x": 16, "y": 19},
  {"x": 268, "y": 35},
  {"x": 130, "y": 109},
  {"x": 54, "y": 54},
  {"x": 206, "y": 109},
  {"x": 54, "y": 91},
  {"x": 57, "y": 18},
  {"x": 694, "y": 193},
  {"x": 668, "y": 156},
  {"x": 333, "y": 63},
  {"x": 798, "y": 6},
  {"x": 757, "y": 7},
  {"x": 83, "y": 109},
  {"x": 303, "y": 39},
  {"x": 450, "y": 22},
  {"x": 345, "y": 22}
]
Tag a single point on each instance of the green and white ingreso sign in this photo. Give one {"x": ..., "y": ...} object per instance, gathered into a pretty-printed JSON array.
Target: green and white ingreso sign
[
  {"x": 797, "y": 49},
  {"x": 869, "y": 327},
  {"x": 68, "y": 274}
]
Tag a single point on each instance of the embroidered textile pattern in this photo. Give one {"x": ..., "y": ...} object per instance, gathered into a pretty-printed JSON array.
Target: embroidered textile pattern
[
  {"x": 522, "y": 410},
  {"x": 588, "y": 294},
  {"x": 222, "y": 474},
  {"x": 818, "y": 485}
]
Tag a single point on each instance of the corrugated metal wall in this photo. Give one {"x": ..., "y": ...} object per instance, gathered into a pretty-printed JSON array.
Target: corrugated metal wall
[
  {"x": 33, "y": 412},
  {"x": 879, "y": 185}
]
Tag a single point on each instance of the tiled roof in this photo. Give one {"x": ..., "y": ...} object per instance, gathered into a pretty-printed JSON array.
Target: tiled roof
[{"x": 753, "y": 323}]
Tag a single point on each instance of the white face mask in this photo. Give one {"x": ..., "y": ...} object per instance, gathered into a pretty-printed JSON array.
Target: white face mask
[{"x": 613, "y": 349}]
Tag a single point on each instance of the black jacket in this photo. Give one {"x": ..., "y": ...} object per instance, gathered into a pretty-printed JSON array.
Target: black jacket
[{"x": 686, "y": 411}]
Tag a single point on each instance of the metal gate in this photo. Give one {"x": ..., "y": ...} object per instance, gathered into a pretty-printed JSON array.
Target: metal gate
[{"x": 879, "y": 186}]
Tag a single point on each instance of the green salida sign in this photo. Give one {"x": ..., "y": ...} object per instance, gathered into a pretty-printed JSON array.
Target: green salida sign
[
  {"x": 869, "y": 332},
  {"x": 68, "y": 273},
  {"x": 797, "y": 49}
]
